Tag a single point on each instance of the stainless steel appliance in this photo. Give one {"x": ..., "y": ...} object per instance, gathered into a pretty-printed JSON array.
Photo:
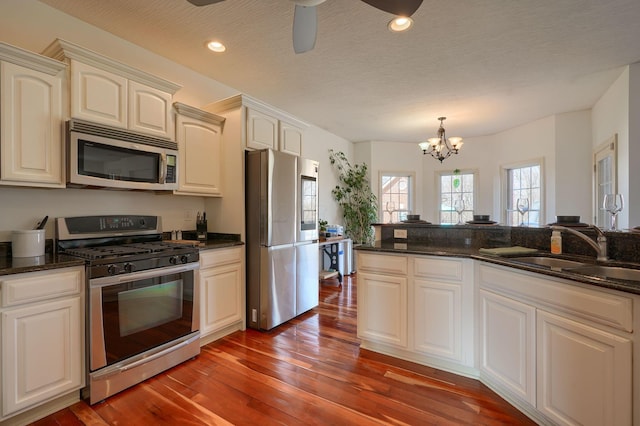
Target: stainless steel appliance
[
  {"x": 281, "y": 233},
  {"x": 103, "y": 156},
  {"x": 142, "y": 301}
]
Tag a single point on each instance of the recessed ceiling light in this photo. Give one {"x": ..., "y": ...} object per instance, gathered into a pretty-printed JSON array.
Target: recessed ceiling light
[
  {"x": 400, "y": 24},
  {"x": 216, "y": 46}
]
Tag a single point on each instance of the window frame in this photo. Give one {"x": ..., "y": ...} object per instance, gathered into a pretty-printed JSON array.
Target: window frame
[
  {"x": 505, "y": 198},
  {"x": 411, "y": 193},
  {"x": 608, "y": 148},
  {"x": 439, "y": 174}
]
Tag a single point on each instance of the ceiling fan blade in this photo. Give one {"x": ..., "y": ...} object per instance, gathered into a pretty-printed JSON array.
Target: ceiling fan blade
[
  {"x": 396, "y": 7},
  {"x": 203, "y": 2},
  {"x": 305, "y": 27}
]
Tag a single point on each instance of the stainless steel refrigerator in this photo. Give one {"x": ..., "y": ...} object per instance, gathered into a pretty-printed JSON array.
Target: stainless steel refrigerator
[{"x": 281, "y": 202}]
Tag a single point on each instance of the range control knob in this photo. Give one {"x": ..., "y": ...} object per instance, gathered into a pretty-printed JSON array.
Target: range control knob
[
  {"x": 174, "y": 260},
  {"x": 112, "y": 269},
  {"x": 184, "y": 258},
  {"x": 128, "y": 268}
]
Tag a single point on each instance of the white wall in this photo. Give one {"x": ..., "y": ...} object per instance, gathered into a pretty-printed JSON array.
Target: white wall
[
  {"x": 486, "y": 155},
  {"x": 316, "y": 146},
  {"x": 22, "y": 208},
  {"x": 32, "y": 25},
  {"x": 633, "y": 198},
  {"x": 610, "y": 115},
  {"x": 566, "y": 137},
  {"x": 399, "y": 157},
  {"x": 573, "y": 157}
]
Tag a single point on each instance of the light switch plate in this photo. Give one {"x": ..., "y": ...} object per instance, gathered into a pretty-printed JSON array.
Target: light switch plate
[{"x": 399, "y": 233}]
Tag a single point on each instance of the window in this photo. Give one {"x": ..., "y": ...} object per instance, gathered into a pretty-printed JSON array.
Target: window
[
  {"x": 524, "y": 182},
  {"x": 456, "y": 185},
  {"x": 396, "y": 196}
]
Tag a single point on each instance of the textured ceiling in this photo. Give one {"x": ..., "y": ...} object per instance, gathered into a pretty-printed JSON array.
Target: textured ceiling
[{"x": 488, "y": 65}]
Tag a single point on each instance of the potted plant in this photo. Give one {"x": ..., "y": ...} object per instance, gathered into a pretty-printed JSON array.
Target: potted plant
[
  {"x": 322, "y": 226},
  {"x": 354, "y": 196}
]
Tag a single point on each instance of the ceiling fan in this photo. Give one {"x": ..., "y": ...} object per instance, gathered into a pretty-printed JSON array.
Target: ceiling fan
[{"x": 305, "y": 19}]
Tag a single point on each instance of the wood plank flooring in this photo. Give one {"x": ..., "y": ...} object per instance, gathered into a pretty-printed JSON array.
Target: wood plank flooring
[{"x": 308, "y": 371}]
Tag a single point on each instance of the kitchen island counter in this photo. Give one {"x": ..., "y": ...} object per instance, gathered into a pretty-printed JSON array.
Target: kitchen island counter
[{"x": 423, "y": 248}]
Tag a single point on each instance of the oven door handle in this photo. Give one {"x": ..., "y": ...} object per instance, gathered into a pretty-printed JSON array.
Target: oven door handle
[
  {"x": 117, "y": 369},
  {"x": 143, "y": 275}
]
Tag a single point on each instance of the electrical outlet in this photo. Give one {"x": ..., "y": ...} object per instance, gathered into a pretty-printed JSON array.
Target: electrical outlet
[
  {"x": 188, "y": 215},
  {"x": 399, "y": 233}
]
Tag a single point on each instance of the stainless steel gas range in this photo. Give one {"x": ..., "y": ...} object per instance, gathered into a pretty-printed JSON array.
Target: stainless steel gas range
[{"x": 142, "y": 301}]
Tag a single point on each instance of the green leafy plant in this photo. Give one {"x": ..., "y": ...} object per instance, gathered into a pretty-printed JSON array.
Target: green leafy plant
[
  {"x": 354, "y": 196},
  {"x": 456, "y": 180},
  {"x": 322, "y": 225}
]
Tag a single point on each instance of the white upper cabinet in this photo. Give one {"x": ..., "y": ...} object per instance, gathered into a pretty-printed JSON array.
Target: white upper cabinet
[
  {"x": 150, "y": 110},
  {"x": 262, "y": 130},
  {"x": 31, "y": 138},
  {"x": 291, "y": 138},
  {"x": 112, "y": 93},
  {"x": 98, "y": 96},
  {"x": 199, "y": 138},
  {"x": 262, "y": 125}
]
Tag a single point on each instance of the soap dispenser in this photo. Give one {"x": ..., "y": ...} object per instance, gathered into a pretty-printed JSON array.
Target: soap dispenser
[{"x": 556, "y": 242}]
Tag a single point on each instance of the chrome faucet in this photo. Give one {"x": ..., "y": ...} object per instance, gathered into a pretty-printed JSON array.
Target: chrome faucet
[{"x": 600, "y": 246}]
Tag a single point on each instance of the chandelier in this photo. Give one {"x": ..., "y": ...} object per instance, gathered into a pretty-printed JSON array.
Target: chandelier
[{"x": 441, "y": 147}]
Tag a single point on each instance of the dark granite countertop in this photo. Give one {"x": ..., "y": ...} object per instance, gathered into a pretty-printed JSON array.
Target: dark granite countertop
[
  {"x": 421, "y": 248},
  {"x": 219, "y": 243},
  {"x": 19, "y": 265}
]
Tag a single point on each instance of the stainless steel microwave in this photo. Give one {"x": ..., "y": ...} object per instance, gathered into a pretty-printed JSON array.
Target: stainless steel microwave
[{"x": 101, "y": 156}]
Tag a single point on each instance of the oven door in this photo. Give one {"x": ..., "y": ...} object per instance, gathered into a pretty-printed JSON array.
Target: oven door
[{"x": 130, "y": 314}]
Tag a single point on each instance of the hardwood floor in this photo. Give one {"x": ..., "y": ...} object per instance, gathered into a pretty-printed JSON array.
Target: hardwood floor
[{"x": 308, "y": 371}]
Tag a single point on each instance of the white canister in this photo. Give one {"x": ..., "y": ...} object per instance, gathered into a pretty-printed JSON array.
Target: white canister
[{"x": 28, "y": 243}]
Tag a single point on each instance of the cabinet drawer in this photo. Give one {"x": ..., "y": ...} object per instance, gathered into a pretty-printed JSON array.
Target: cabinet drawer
[
  {"x": 383, "y": 263},
  {"x": 33, "y": 286},
  {"x": 598, "y": 306},
  {"x": 439, "y": 268},
  {"x": 211, "y": 258}
]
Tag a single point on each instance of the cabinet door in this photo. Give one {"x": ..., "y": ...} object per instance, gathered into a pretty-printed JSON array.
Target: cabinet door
[
  {"x": 262, "y": 130},
  {"x": 382, "y": 308},
  {"x": 42, "y": 353},
  {"x": 584, "y": 374},
  {"x": 98, "y": 95},
  {"x": 507, "y": 344},
  {"x": 200, "y": 147},
  {"x": 220, "y": 297},
  {"x": 31, "y": 151},
  {"x": 150, "y": 111},
  {"x": 290, "y": 138},
  {"x": 438, "y": 318}
]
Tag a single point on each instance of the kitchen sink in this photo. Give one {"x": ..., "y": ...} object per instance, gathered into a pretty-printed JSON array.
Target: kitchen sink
[
  {"x": 614, "y": 272},
  {"x": 550, "y": 262}
]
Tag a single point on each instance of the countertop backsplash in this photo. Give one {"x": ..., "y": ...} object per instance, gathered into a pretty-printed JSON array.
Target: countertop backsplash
[{"x": 622, "y": 246}]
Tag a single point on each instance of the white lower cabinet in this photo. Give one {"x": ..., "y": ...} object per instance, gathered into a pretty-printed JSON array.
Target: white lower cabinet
[
  {"x": 221, "y": 284},
  {"x": 382, "y": 299},
  {"x": 508, "y": 337},
  {"x": 560, "y": 351},
  {"x": 584, "y": 373},
  {"x": 382, "y": 308},
  {"x": 42, "y": 323},
  {"x": 442, "y": 314},
  {"x": 418, "y": 308}
]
